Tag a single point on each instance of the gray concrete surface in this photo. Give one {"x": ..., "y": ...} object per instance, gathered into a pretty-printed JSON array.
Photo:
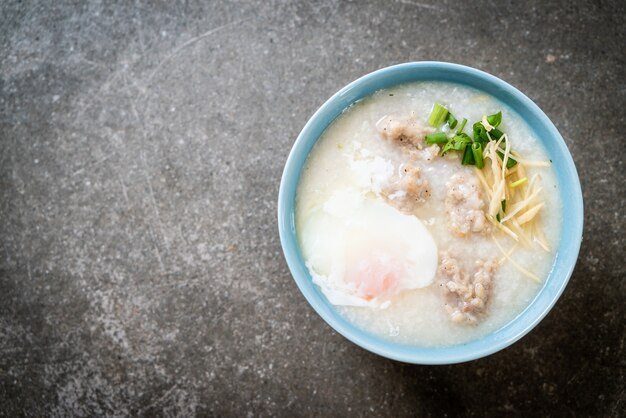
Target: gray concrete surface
[{"x": 141, "y": 146}]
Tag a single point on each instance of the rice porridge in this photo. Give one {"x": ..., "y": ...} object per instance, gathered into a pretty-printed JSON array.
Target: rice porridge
[{"x": 428, "y": 214}]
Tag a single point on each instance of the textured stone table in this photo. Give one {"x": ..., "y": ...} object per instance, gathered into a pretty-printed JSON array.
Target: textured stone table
[{"x": 141, "y": 147}]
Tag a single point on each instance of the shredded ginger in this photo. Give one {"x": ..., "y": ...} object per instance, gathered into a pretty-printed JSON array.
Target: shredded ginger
[{"x": 514, "y": 200}]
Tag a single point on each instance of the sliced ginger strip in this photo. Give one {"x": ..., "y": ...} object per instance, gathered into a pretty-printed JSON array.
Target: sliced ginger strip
[
  {"x": 517, "y": 266},
  {"x": 530, "y": 214}
]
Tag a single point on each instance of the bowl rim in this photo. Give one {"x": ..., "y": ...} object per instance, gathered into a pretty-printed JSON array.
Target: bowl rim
[{"x": 565, "y": 257}]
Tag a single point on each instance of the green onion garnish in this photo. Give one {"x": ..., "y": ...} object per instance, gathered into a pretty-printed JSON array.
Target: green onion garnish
[
  {"x": 519, "y": 182},
  {"x": 498, "y": 217},
  {"x": 451, "y": 121},
  {"x": 477, "y": 150},
  {"x": 510, "y": 162},
  {"x": 495, "y": 120},
  {"x": 436, "y": 138},
  {"x": 461, "y": 126},
  {"x": 437, "y": 116},
  {"x": 461, "y": 140},
  {"x": 480, "y": 133},
  {"x": 458, "y": 143},
  {"x": 472, "y": 154},
  {"x": 468, "y": 157},
  {"x": 496, "y": 134}
]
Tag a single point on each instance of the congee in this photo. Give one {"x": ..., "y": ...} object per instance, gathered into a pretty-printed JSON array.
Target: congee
[{"x": 428, "y": 214}]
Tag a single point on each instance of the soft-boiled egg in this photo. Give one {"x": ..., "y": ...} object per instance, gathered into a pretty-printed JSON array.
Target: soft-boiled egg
[{"x": 363, "y": 252}]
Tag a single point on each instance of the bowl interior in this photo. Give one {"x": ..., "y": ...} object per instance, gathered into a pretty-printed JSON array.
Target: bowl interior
[{"x": 545, "y": 131}]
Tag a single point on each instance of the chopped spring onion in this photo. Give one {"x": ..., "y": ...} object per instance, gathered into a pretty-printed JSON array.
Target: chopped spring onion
[
  {"x": 496, "y": 134},
  {"x": 458, "y": 143},
  {"x": 462, "y": 139},
  {"x": 461, "y": 126},
  {"x": 437, "y": 116},
  {"x": 480, "y": 133},
  {"x": 518, "y": 182},
  {"x": 503, "y": 204},
  {"x": 447, "y": 147},
  {"x": 477, "y": 150},
  {"x": 495, "y": 120},
  {"x": 468, "y": 157},
  {"x": 451, "y": 121},
  {"x": 436, "y": 138},
  {"x": 510, "y": 162}
]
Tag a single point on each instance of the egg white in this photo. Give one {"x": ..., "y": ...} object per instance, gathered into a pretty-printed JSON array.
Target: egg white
[{"x": 355, "y": 239}]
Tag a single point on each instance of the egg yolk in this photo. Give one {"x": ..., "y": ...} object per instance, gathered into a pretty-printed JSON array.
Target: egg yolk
[{"x": 373, "y": 278}]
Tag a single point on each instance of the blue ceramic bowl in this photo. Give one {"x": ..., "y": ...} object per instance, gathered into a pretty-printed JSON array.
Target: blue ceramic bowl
[{"x": 545, "y": 131}]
